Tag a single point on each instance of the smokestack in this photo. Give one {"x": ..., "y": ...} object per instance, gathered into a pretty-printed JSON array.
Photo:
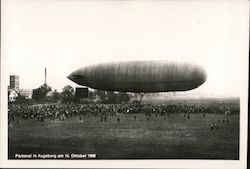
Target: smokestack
[{"x": 45, "y": 76}]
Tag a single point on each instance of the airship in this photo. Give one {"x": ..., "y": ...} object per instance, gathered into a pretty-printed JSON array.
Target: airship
[{"x": 140, "y": 76}]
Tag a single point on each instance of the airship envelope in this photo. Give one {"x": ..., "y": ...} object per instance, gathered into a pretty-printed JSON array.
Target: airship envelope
[{"x": 140, "y": 76}]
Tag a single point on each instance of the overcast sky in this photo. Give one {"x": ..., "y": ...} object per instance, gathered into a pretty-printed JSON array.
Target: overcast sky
[{"x": 66, "y": 35}]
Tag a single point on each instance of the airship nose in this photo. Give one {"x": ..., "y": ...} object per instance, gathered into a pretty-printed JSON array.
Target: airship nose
[
  {"x": 77, "y": 77},
  {"x": 70, "y": 77}
]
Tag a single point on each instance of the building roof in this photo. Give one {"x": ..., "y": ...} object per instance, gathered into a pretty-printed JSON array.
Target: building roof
[{"x": 11, "y": 90}]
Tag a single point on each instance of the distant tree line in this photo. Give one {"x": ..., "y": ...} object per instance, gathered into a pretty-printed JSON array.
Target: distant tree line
[{"x": 44, "y": 93}]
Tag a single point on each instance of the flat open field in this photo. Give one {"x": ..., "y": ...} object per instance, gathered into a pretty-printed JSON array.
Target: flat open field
[{"x": 176, "y": 137}]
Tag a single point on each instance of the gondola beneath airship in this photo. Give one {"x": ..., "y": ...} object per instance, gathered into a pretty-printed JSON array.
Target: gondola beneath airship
[{"x": 140, "y": 76}]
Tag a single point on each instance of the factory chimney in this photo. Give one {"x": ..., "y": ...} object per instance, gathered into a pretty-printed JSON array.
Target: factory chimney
[{"x": 45, "y": 77}]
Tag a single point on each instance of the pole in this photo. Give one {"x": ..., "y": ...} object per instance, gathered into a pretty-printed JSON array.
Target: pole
[{"x": 45, "y": 76}]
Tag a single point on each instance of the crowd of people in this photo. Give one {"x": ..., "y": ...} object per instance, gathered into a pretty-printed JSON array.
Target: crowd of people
[{"x": 41, "y": 112}]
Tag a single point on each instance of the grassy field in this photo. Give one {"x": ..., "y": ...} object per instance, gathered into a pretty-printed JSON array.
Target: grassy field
[{"x": 176, "y": 137}]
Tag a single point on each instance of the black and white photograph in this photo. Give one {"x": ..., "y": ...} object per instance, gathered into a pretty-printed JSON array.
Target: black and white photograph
[{"x": 160, "y": 84}]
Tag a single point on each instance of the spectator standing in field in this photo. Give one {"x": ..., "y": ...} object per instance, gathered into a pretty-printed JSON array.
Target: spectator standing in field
[{"x": 212, "y": 126}]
